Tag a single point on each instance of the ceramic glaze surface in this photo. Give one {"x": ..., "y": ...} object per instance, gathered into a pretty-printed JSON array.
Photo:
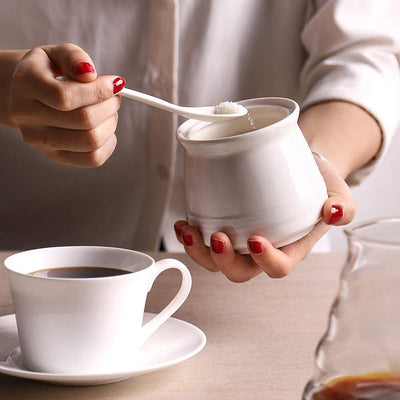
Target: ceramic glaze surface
[
  {"x": 86, "y": 326},
  {"x": 246, "y": 181}
]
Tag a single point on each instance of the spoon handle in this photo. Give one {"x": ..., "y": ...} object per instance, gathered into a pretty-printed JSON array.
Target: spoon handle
[
  {"x": 149, "y": 100},
  {"x": 207, "y": 113}
]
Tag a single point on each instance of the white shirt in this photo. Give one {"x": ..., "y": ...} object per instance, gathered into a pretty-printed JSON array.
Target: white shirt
[{"x": 193, "y": 52}]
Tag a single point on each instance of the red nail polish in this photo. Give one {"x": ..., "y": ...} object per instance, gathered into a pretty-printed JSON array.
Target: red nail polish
[
  {"x": 217, "y": 245},
  {"x": 187, "y": 239},
  {"x": 337, "y": 213},
  {"x": 83, "y": 68},
  {"x": 119, "y": 84},
  {"x": 255, "y": 246}
]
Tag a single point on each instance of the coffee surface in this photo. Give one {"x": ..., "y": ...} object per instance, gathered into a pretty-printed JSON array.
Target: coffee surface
[
  {"x": 79, "y": 272},
  {"x": 368, "y": 387}
]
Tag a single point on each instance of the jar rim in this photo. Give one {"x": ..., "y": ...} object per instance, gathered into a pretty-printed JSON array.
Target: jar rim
[{"x": 290, "y": 106}]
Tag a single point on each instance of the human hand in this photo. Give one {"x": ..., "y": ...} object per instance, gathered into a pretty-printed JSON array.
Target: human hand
[
  {"x": 338, "y": 209},
  {"x": 72, "y": 121}
]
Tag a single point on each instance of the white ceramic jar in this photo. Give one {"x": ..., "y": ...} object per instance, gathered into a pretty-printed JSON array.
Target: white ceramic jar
[{"x": 245, "y": 181}]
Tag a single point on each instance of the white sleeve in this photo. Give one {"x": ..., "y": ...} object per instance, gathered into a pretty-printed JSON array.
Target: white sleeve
[{"x": 353, "y": 51}]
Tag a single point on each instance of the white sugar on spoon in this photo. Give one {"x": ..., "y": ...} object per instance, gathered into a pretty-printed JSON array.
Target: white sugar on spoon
[{"x": 230, "y": 107}]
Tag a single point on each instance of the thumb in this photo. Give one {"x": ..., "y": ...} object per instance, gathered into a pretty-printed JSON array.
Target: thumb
[
  {"x": 339, "y": 208},
  {"x": 71, "y": 61}
]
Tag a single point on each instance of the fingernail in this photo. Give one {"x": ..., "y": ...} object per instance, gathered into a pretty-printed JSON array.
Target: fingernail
[
  {"x": 337, "y": 213},
  {"x": 119, "y": 83},
  {"x": 255, "y": 246},
  {"x": 83, "y": 68},
  {"x": 217, "y": 245},
  {"x": 187, "y": 239}
]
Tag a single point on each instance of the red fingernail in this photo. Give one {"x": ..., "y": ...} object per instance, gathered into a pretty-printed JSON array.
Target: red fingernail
[
  {"x": 187, "y": 239},
  {"x": 337, "y": 213},
  {"x": 255, "y": 246},
  {"x": 119, "y": 84},
  {"x": 217, "y": 245},
  {"x": 83, "y": 68}
]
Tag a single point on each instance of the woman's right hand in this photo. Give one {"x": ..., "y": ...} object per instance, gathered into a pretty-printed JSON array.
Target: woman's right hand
[{"x": 73, "y": 121}]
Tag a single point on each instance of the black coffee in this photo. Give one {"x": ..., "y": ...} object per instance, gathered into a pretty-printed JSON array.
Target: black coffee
[
  {"x": 79, "y": 272},
  {"x": 378, "y": 387}
]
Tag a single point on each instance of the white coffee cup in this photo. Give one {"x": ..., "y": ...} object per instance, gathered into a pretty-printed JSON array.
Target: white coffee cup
[
  {"x": 86, "y": 325},
  {"x": 246, "y": 181}
]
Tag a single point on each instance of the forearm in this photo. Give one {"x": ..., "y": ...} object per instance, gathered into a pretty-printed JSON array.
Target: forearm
[
  {"x": 347, "y": 135},
  {"x": 8, "y": 61}
]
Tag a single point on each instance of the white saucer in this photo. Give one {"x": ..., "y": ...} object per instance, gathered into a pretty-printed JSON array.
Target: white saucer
[{"x": 174, "y": 342}]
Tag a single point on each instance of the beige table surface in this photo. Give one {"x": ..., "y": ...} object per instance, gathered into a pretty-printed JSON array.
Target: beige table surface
[{"x": 261, "y": 337}]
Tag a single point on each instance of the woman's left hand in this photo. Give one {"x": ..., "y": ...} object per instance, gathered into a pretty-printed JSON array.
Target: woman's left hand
[{"x": 338, "y": 209}]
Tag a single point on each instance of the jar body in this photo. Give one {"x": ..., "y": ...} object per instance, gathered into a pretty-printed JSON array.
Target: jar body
[{"x": 255, "y": 182}]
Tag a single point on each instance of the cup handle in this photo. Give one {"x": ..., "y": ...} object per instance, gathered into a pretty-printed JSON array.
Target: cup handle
[{"x": 151, "y": 326}]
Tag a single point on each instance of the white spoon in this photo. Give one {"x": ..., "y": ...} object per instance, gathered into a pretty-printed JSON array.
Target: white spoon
[{"x": 221, "y": 112}]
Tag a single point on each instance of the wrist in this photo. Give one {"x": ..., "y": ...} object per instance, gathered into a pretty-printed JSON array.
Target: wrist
[{"x": 344, "y": 133}]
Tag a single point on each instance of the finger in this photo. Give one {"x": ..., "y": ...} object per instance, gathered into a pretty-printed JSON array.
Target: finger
[
  {"x": 90, "y": 159},
  {"x": 50, "y": 139},
  {"x": 278, "y": 263},
  {"x": 35, "y": 78},
  {"x": 72, "y": 61},
  {"x": 196, "y": 249},
  {"x": 272, "y": 261},
  {"x": 70, "y": 95},
  {"x": 339, "y": 208},
  {"x": 84, "y": 118},
  {"x": 178, "y": 226},
  {"x": 236, "y": 267},
  {"x": 299, "y": 250}
]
